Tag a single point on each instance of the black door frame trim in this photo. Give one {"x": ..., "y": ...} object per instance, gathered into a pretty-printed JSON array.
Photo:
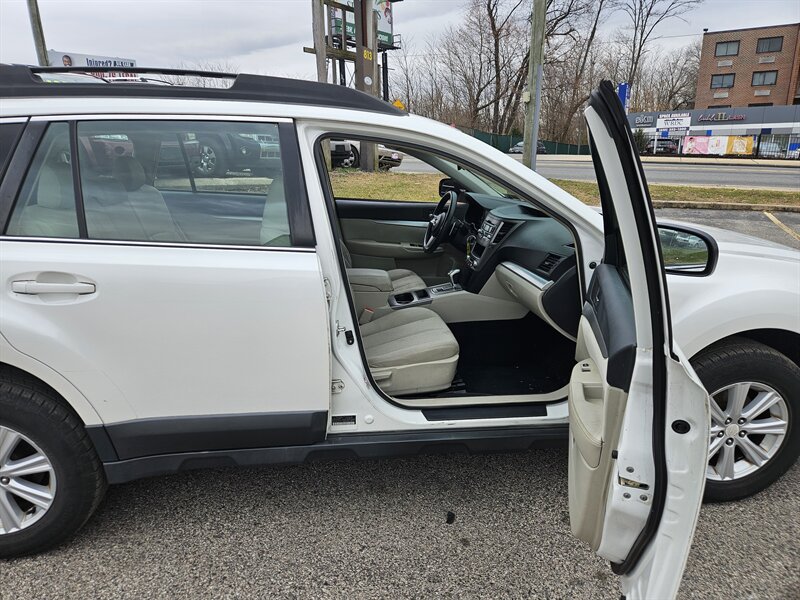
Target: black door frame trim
[
  {"x": 170, "y": 435},
  {"x": 348, "y": 446},
  {"x": 17, "y": 168}
]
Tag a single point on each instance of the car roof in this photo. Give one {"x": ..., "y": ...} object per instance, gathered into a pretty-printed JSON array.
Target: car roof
[{"x": 20, "y": 81}]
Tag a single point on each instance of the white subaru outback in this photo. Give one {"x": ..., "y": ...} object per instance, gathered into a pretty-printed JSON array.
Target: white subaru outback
[{"x": 154, "y": 321}]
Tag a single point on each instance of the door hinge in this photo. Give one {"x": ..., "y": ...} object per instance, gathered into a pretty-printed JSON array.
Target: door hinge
[
  {"x": 337, "y": 385},
  {"x": 348, "y": 334}
]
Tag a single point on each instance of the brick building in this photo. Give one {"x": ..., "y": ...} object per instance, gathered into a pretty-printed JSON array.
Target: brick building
[{"x": 750, "y": 67}]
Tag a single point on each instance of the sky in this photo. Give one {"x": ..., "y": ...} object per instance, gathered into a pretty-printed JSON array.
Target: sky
[{"x": 267, "y": 36}]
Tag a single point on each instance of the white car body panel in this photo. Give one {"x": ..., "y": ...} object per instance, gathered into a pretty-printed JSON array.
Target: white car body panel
[{"x": 236, "y": 364}]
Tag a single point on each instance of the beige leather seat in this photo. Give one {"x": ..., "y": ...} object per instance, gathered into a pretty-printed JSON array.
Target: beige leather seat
[
  {"x": 53, "y": 214},
  {"x": 410, "y": 351},
  {"x": 401, "y": 280},
  {"x": 126, "y": 207}
]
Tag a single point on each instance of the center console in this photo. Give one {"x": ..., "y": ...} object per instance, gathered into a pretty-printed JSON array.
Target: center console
[
  {"x": 492, "y": 230},
  {"x": 421, "y": 297}
]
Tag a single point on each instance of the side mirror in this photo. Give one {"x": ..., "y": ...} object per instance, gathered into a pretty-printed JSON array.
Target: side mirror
[
  {"x": 448, "y": 184},
  {"x": 687, "y": 251}
]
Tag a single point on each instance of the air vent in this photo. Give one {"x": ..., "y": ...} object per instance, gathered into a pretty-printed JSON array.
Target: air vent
[
  {"x": 502, "y": 232},
  {"x": 549, "y": 263}
]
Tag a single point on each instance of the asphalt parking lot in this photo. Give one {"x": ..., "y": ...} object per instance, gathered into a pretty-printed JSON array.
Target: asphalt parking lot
[{"x": 378, "y": 529}]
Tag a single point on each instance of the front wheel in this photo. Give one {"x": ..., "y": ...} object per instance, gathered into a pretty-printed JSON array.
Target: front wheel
[
  {"x": 51, "y": 479},
  {"x": 755, "y": 397}
]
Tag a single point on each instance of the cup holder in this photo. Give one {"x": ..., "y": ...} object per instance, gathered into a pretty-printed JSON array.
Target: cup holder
[
  {"x": 412, "y": 298},
  {"x": 404, "y": 298}
]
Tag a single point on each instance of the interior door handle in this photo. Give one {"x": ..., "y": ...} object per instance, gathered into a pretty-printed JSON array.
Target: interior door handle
[{"x": 37, "y": 287}]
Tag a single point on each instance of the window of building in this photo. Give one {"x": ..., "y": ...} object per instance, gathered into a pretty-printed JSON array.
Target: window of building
[
  {"x": 727, "y": 48},
  {"x": 722, "y": 81},
  {"x": 46, "y": 204},
  {"x": 719, "y": 106},
  {"x": 765, "y": 77},
  {"x": 197, "y": 182},
  {"x": 756, "y": 104},
  {"x": 770, "y": 44}
]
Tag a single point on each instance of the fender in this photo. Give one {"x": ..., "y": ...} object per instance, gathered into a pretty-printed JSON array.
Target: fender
[{"x": 79, "y": 403}]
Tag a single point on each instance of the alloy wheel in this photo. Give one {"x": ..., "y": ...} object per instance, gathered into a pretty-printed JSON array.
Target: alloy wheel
[
  {"x": 208, "y": 160},
  {"x": 27, "y": 481},
  {"x": 749, "y": 422}
]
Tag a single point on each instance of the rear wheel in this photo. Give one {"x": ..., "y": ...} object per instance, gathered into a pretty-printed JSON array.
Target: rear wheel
[
  {"x": 755, "y": 397},
  {"x": 51, "y": 479},
  {"x": 353, "y": 159}
]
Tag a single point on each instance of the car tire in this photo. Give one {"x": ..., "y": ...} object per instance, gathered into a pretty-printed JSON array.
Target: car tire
[
  {"x": 352, "y": 161},
  {"x": 741, "y": 363},
  {"x": 42, "y": 424},
  {"x": 212, "y": 159}
]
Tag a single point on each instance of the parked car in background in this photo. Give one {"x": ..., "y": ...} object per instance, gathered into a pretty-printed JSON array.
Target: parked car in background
[
  {"x": 347, "y": 154},
  {"x": 519, "y": 147},
  {"x": 665, "y": 146}
]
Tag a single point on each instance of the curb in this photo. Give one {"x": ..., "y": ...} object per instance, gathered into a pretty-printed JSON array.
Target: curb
[
  {"x": 726, "y": 206},
  {"x": 686, "y": 160}
]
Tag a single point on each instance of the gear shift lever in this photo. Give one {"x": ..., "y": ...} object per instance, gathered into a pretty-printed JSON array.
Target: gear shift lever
[{"x": 452, "y": 275}]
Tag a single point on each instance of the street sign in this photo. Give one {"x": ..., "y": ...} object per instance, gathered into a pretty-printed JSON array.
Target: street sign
[{"x": 624, "y": 93}]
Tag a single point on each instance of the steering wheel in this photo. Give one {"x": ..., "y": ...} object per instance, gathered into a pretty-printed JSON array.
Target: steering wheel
[{"x": 441, "y": 222}]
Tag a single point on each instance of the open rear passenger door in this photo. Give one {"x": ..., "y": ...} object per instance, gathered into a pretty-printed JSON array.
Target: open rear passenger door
[{"x": 639, "y": 421}]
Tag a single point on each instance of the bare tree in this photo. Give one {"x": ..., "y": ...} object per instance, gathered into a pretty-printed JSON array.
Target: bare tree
[
  {"x": 222, "y": 67},
  {"x": 645, "y": 16}
]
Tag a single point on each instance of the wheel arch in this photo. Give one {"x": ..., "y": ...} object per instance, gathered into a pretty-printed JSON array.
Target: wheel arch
[
  {"x": 41, "y": 375},
  {"x": 784, "y": 341}
]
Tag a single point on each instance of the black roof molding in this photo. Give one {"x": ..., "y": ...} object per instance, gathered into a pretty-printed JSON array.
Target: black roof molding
[{"x": 17, "y": 81}]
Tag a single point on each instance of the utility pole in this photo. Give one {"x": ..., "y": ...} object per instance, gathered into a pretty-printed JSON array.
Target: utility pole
[
  {"x": 534, "y": 93},
  {"x": 38, "y": 33},
  {"x": 320, "y": 52},
  {"x": 366, "y": 66}
]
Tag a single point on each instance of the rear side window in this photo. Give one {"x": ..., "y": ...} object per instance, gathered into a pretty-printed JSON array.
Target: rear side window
[
  {"x": 183, "y": 181},
  {"x": 9, "y": 134},
  {"x": 45, "y": 206}
]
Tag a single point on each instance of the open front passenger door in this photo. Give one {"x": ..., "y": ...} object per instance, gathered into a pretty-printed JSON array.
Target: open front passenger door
[{"x": 639, "y": 420}]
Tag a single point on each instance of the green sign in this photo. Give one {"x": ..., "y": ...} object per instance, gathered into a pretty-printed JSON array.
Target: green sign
[{"x": 383, "y": 8}]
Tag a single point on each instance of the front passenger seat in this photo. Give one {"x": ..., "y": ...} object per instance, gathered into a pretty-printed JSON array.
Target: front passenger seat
[
  {"x": 410, "y": 351},
  {"x": 402, "y": 280}
]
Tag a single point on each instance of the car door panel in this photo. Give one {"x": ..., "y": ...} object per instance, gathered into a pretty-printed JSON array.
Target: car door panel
[
  {"x": 634, "y": 402},
  {"x": 388, "y": 235},
  {"x": 175, "y": 331}
]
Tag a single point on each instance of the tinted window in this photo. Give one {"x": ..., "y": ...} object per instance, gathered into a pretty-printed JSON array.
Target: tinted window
[
  {"x": 727, "y": 48},
  {"x": 183, "y": 181},
  {"x": 722, "y": 81},
  {"x": 771, "y": 44},
  {"x": 765, "y": 77},
  {"x": 9, "y": 134},
  {"x": 45, "y": 206}
]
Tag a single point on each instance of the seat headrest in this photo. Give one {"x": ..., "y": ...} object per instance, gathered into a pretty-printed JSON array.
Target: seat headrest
[
  {"x": 129, "y": 172},
  {"x": 55, "y": 189}
]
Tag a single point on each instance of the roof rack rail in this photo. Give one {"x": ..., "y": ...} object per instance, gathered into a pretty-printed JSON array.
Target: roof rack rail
[{"x": 18, "y": 81}]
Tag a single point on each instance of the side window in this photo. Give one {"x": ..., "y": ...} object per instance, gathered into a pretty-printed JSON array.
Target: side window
[
  {"x": 421, "y": 184},
  {"x": 45, "y": 206},
  {"x": 183, "y": 181},
  {"x": 9, "y": 134}
]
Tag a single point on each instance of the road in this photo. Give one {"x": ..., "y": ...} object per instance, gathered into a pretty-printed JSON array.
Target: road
[{"x": 738, "y": 176}]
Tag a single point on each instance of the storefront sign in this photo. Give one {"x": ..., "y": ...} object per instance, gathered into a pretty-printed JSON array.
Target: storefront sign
[
  {"x": 674, "y": 121},
  {"x": 720, "y": 116},
  {"x": 643, "y": 120}
]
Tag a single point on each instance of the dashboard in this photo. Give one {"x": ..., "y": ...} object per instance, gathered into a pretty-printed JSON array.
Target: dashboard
[{"x": 517, "y": 241}]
